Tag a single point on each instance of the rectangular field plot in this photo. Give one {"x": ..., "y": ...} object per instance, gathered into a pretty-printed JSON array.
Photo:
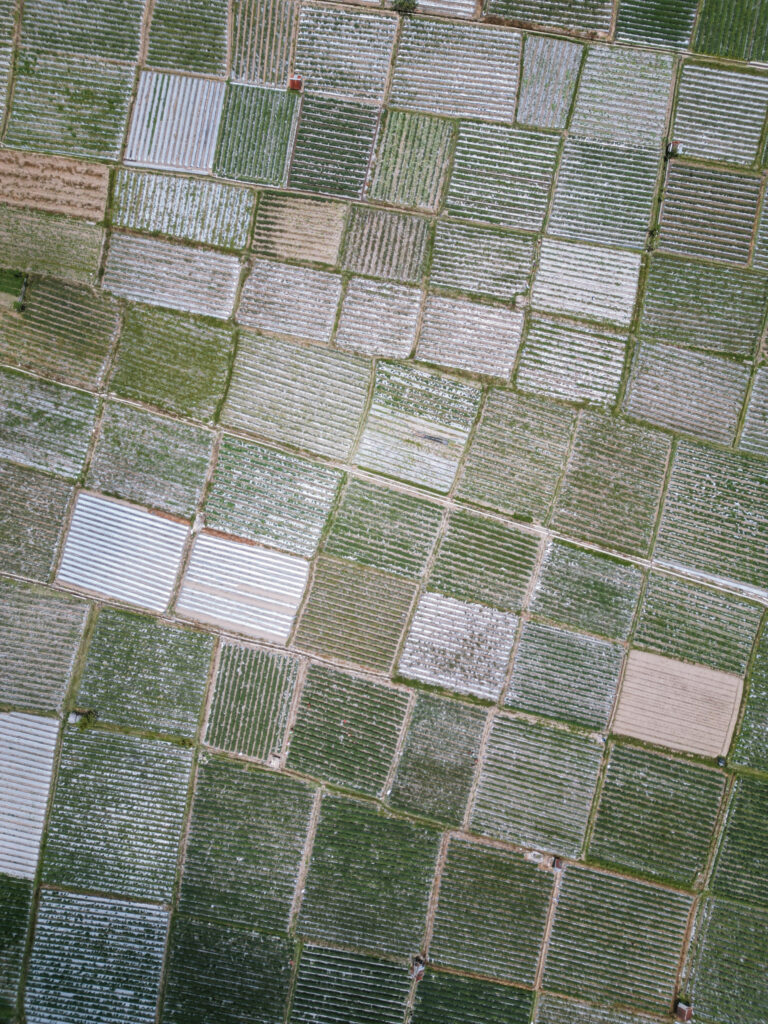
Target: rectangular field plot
[
  {"x": 65, "y": 332},
  {"x": 50, "y": 244},
  {"x": 53, "y": 184},
  {"x": 117, "y": 814},
  {"x": 40, "y": 633},
  {"x": 167, "y": 274},
  {"x": 197, "y": 211}
]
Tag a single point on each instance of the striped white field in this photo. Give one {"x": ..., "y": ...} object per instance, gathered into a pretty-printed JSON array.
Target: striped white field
[
  {"x": 754, "y": 436},
  {"x": 708, "y": 213},
  {"x": 586, "y": 281},
  {"x": 346, "y": 53},
  {"x": 243, "y": 588},
  {"x": 175, "y": 122},
  {"x": 188, "y": 208},
  {"x": 622, "y": 97},
  {"x": 262, "y": 36},
  {"x": 417, "y": 426},
  {"x": 122, "y": 551},
  {"x": 303, "y": 396},
  {"x": 40, "y": 632},
  {"x": 167, "y": 274},
  {"x": 550, "y": 70},
  {"x": 378, "y": 318},
  {"x": 460, "y": 646},
  {"x": 720, "y": 114},
  {"x": 457, "y": 70},
  {"x": 673, "y": 704},
  {"x": 470, "y": 336},
  {"x": 288, "y": 300},
  {"x": 576, "y": 362},
  {"x": 27, "y": 745}
]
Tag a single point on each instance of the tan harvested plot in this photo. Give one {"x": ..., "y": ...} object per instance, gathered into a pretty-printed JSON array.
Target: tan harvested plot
[
  {"x": 677, "y": 705},
  {"x": 53, "y": 183}
]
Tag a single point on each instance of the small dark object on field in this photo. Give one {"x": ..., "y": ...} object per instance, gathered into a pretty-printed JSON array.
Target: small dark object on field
[
  {"x": 404, "y": 6},
  {"x": 683, "y": 1011}
]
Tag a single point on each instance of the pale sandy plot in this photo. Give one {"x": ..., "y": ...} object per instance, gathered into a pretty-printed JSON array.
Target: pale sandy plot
[
  {"x": 53, "y": 183},
  {"x": 677, "y": 705}
]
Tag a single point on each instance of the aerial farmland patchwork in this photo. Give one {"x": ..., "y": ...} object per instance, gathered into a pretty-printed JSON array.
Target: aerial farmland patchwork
[{"x": 383, "y": 511}]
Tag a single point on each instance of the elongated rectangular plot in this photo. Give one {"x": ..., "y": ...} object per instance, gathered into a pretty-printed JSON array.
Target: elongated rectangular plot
[
  {"x": 292, "y": 227},
  {"x": 262, "y": 34},
  {"x": 122, "y": 551},
  {"x": 754, "y": 434},
  {"x": 586, "y": 281},
  {"x": 550, "y": 69},
  {"x": 590, "y": 15},
  {"x": 720, "y": 114},
  {"x": 576, "y": 363},
  {"x": 64, "y": 332},
  {"x": 293, "y": 301},
  {"x": 50, "y": 244},
  {"x": 197, "y": 211},
  {"x": 243, "y": 588},
  {"x": 708, "y": 213},
  {"x": 470, "y": 336},
  {"x": 715, "y": 516},
  {"x": 688, "y": 391},
  {"x": 73, "y": 105},
  {"x": 100, "y": 957},
  {"x": 306, "y": 397},
  {"x": 43, "y": 425},
  {"x": 486, "y": 261},
  {"x": 54, "y": 184},
  {"x": 40, "y": 633},
  {"x": 33, "y": 508},
  {"x": 536, "y": 785},
  {"x": 677, "y": 705},
  {"x": 109, "y": 28},
  {"x": 27, "y": 746},
  {"x": 117, "y": 814},
  {"x": 502, "y": 175},
  {"x": 615, "y": 939},
  {"x": 344, "y": 52},
  {"x": 417, "y": 426},
  {"x": 175, "y": 122},
  {"x": 458, "y": 70},
  {"x": 167, "y": 274},
  {"x": 251, "y": 700}
]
